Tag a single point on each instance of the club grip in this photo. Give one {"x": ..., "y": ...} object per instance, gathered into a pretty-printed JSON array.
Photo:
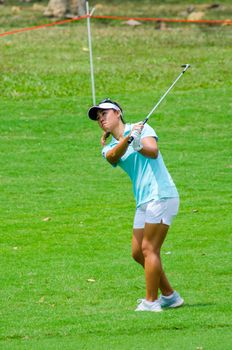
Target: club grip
[{"x": 131, "y": 138}]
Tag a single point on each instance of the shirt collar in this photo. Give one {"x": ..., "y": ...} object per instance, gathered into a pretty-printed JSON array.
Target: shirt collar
[{"x": 127, "y": 130}]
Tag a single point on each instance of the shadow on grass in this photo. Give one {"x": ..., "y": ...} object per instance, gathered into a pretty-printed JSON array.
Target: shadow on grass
[{"x": 199, "y": 305}]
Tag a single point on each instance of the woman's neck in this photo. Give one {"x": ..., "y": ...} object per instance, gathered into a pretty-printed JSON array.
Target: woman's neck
[{"x": 118, "y": 131}]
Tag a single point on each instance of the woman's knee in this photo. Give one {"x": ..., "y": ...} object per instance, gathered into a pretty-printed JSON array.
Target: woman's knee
[
  {"x": 149, "y": 248},
  {"x": 137, "y": 255}
]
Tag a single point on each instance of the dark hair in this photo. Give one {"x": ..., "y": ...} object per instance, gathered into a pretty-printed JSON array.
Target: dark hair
[{"x": 115, "y": 103}]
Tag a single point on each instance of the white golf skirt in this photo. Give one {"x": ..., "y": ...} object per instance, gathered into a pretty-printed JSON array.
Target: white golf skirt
[{"x": 156, "y": 211}]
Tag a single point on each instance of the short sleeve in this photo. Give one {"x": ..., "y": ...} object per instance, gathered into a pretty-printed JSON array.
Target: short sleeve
[
  {"x": 105, "y": 150},
  {"x": 148, "y": 131}
]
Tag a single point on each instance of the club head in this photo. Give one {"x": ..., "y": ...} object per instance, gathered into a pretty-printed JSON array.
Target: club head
[{"x": 185, "y": 66}]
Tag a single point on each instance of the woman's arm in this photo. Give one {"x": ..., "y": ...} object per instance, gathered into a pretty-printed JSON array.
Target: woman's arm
[
  {"x": 118, "y": 151},
  {"x": 150, "y": 147},
  {"x": 114, "y": 155}
]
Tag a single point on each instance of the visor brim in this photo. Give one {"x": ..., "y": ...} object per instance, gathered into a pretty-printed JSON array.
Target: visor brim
[{"x": 93, "y": 112}]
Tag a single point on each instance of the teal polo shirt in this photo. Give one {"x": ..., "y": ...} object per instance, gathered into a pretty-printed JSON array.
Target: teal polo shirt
[{"x": 150, "y": 177}]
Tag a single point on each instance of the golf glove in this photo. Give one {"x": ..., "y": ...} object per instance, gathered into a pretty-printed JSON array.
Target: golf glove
[{"x": 136, "y": 144}]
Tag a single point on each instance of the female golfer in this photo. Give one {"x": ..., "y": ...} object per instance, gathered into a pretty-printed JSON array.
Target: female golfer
[{"x": 156, "y": 196}]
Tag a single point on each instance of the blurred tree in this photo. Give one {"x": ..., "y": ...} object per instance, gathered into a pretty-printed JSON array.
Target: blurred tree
[{"x": 65, "y": 8}]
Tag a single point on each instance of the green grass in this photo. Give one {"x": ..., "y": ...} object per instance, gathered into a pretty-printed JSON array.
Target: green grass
[{"x": 51, "y": 167}]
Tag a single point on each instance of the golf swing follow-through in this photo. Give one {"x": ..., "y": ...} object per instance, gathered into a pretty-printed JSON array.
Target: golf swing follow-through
[{"x": 134, "y": 148}]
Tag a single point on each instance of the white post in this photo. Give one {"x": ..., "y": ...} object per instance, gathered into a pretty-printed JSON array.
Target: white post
[{"x": 90, "y": 52}]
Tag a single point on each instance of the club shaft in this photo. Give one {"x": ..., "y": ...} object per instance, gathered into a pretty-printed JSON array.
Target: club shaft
[
  {"x": 90, "y": 53},
  {"x": 186, "y": 66},
  {"x": 161, "y": 99}
]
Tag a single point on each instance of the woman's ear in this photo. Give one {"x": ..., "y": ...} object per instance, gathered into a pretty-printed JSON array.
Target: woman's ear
[{"x": 118, "y": 114}]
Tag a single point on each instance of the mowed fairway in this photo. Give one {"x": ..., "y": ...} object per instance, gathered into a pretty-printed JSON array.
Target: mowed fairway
[{"x": 67, "y": 277}]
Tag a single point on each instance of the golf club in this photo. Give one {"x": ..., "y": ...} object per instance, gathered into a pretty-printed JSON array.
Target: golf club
[{"x": 185, "y": 66}]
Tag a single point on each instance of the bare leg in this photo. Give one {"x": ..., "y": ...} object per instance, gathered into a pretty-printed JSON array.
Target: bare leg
[
  {"x": 154, "y": 236},
  {"x": 165, "y": 286},
  {"x": 138, "y": 256},
  {"x": 137, "y": 239}
]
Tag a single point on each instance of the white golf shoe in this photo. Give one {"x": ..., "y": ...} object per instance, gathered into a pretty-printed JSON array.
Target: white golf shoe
[
  {"x": 145, "y": 305},
  {"x": 172, "y": 301}
]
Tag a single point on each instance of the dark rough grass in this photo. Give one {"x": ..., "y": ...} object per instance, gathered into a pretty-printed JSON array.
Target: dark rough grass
[{"x": 16, "y": 14}]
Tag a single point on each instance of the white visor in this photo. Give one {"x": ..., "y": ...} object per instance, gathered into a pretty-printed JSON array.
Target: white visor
[{"x": 105, "y": 105}]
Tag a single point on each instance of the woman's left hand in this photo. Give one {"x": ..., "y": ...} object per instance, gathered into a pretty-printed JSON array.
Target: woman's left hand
[
  {"x": 138, "y": 127},
  {"x": 104, "y": 137}
]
